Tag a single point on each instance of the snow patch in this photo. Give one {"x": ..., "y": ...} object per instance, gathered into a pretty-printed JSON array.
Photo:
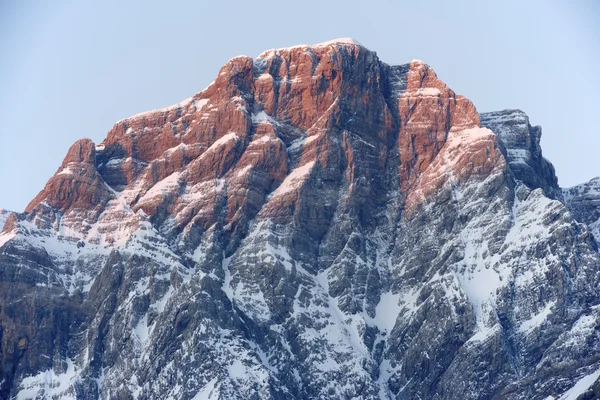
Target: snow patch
[
  {"x": 141, "y": 330},
  {"x": 334, "y": 42},
  {"x": 482, "y": 334},
  {"x": 387, "y": 311},
  {"x": 260, "y": 118},
  {"x": 429, "y": 91},
  {"x": 199, "y": 104},
  {"x": 237, "y": 370},
  {"x": 48, "y": 384},
  {"x": 181, "y": 104},
  {"x": 209, "y": 392},
  {"x": 66, "y": 171},
  {"x": 161, "y": 188},
  {"x": 242, "y": 172},
  {"x": 223, "y": 140},
  {"x": 537, "y": 319},
  {"x": 346, "y": 40},
  {"x": 295, "y": 179},
  {"x": 581, "y": 386}
]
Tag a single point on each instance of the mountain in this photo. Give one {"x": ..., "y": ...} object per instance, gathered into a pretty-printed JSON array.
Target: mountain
[{"x": 314, "y": 224}]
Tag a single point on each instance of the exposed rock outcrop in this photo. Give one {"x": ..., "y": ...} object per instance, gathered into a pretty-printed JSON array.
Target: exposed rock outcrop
[{"x": 523, "y": 151}]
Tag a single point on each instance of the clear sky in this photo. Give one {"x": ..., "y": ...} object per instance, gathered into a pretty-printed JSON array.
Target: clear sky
[{"x": 71, "y": 69}]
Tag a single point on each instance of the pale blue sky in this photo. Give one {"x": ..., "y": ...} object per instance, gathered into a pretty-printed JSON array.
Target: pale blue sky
[{"x": 71, "y": 69}]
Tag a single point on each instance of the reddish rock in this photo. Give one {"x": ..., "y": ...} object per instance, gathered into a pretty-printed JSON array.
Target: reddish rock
[
  {"x": 77, "y": 184},
  {"x": 428, "y": 111},
  {"x": 270, "y": 134}
]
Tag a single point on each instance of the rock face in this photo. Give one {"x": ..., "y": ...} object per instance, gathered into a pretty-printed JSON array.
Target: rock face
[
  {"x": 522, "y": 149},
  {"x": 584, "y": 203},
  {"x": 314, "y": 224}
]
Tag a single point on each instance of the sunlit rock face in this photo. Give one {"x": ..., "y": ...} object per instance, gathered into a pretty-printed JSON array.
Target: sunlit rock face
[{"x": 314, "y": 224}]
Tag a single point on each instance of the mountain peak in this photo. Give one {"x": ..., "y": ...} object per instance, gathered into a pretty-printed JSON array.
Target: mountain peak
[
  {"x": 340, "y": 42},
  {"x": 301, "y": 91}
]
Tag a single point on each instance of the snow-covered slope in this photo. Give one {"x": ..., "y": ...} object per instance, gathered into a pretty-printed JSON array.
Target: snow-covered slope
[{"x": 314, "y": 224}]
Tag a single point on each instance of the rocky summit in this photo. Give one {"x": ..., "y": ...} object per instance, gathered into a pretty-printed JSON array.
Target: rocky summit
[{"x": 315, "y": 224}]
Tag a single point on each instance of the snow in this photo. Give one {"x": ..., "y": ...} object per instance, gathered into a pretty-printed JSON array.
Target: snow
[
  {"x": 579, "y": 195},
  {"x": 346, "y": 40},
  {"x": 581, "y": 386},
  {"x": 264, "y": 359},
  {"x": 590, "y": 189},
  {"x": 181, "y": 104},
  {"x": 386, "y": 372},
  {"x": 236, "y": 370},
  {"x": 429, "y": 91},
  {"x": 512, "y": 126},
  {"x": 518, "y": 156},
  {"x": 340, "y": 330},
  {"x": 115, "y": 162},
  {"x": 454, "y": 151},
  {"x": 480, "y": 287},
  {"x": 303, "y": 141},
  {"x": 141, "y": 330},
  {"x": 470, "y": 135},
  {"x": 387, "y": 311},
  {"x": 199, "y": 104},
  {"x": 209, "y": 392},
  {"x": 295, "y": 179},
  {"x": 226, "y": 287},
  {"x": 312, "y": 138},
  {"x": 249, "y": 298},
  {"x": 66, "y": 171},
  {"x": 339, "y": 41},
  {"x": 297, "y": 144},
  {"x": 239, "y": 103},
  {"x": 231, "y": 136},
  {"x": 242, "y": 172},
  {"x": 265, "y": 75},
  {"x": 537, "y": 319},
  {"x": 160, "y": 304},
  {"x": 260, "y": 118},
  {"x": 477, "y": 279},
  {"x": 271, "y": 253},
  {"x": 499, "y": 117},
  {"x": 482, "y": 334},
  {"x": 162, "y": 187},
  {"x": 48, "y": 384},
  {"x": 262, "y": 139},
  {"x": 582, "y": 329}
]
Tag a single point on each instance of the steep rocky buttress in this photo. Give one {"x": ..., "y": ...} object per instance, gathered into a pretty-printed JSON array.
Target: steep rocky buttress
[{"x": 314, "y": 224}]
